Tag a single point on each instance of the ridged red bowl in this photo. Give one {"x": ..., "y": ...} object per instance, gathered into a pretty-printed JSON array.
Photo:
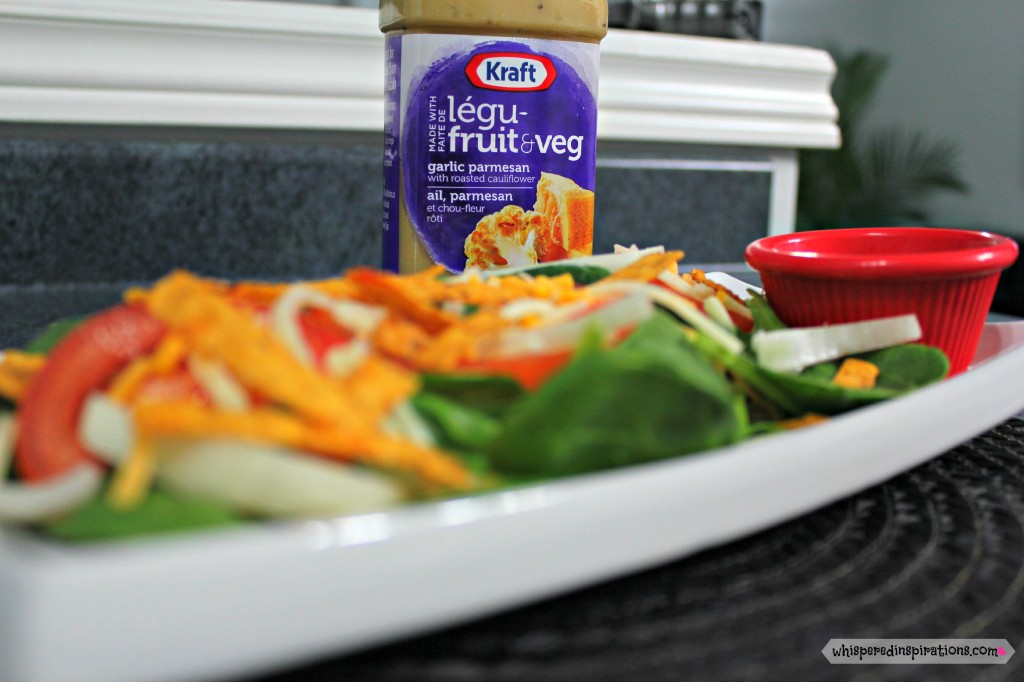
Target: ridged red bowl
[{"x": 946, "y": 277}]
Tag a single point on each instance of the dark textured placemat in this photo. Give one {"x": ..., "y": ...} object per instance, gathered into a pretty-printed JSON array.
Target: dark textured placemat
[{"x": 937, "y": 552}]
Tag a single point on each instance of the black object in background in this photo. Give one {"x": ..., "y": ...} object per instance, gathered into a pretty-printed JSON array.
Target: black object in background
[
  {"x": 740, "y": 19},
  {"x": 1009, "y": 298}
]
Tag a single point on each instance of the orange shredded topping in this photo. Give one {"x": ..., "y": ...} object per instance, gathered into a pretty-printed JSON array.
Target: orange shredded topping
[
  {"x": 262, "y": 294},
  {"x": 16, "y": 371},
  {"x": 731, "y": 301},
  {"x": 856, "y": 374},
  {"x": 134, "y": 476},
  {"x": 648, "y": 267},
  {"x": 135, "y": 295},
  {"x": 809, "y": 419},
  {"x": 274, "y": 426},
  {"x": 167, "y": 357},
  {"x": 409, "y": 298},
  {"x": 460, "y": 342},
  {"x": 378, "y": 386},
  {"x": 215, "y": 329},
  {"x": 497, "y": 291},
  {"x": 399, "y": 338}
]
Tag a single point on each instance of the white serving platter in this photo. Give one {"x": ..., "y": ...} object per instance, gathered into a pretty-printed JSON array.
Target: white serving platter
[{"x": 225, "y": 604}]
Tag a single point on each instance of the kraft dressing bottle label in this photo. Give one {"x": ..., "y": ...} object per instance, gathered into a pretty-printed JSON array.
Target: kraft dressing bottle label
[{"x": 490, "y": 147}]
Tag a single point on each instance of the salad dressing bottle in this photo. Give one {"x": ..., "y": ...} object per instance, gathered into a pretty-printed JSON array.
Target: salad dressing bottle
[{"x": 490, "y": 131}]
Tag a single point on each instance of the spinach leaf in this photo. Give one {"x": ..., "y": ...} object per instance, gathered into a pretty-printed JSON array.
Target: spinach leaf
[
  {"x": 158, "y": 513},
  {"x": 823, "y": 371},
  {"x": 492, "y": 395},
  {"x": 765, "y": 318},
  {"x": 901, "y": 368},
  {"x": 651, "y": 397},
  {"x": 581, "y": 274},
  {"x": 53, "y": 334},
  {"x": 908, "y": 366},
  {"x": 455, "y": 425}
]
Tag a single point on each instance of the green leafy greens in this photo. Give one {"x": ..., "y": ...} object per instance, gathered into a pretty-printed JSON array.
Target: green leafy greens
[
  {"x": 901, "y": 368},
  {"x": 652, "y": 396},
  {"x": 159, "y": 512}
]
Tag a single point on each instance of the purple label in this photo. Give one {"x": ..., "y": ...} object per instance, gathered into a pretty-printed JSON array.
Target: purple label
[
  {"x": 392, "y": 130},
  {"x": 498, "y": 146}
]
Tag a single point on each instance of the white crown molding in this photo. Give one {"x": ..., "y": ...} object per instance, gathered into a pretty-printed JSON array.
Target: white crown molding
[
  {"x": 657, "y": 86},
  {"x": 238, "y": 63}
]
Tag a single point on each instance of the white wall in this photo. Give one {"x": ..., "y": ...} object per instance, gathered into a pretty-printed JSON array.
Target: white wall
[
  {"x": 850, "y": 23},
  {"x": 957, "y": 69}
]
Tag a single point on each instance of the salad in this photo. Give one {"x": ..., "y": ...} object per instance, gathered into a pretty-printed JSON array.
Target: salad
[{"x": 199, "y": 402}]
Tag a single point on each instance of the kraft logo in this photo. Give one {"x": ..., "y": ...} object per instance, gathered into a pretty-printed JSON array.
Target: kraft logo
[{"x": 511, "y": 71}]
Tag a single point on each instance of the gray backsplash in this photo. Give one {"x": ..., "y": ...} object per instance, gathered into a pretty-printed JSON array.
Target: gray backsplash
[
  {"x": 89, "y": 211},
  {"x": 84, "y": 211}
]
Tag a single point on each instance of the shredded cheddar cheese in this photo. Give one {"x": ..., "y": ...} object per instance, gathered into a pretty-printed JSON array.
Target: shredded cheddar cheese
[
  {"x": 168, "y": 355},
  {"x": 403, "y": 297},
  {"x": 16, "y": 371},
  {"x": 378, "y": 385},
  {"x": 648, "y": 268},
  {"x": 498, "y": 291},
  {"x": 268, "y": 425},
  {"x": 856, "y": 374},
  {"x": 216, "y": 329},
  {"x": 133, "y": 476},
  {"x": 262, "y": 294},
  {"x": 400, "y": 338},
  {"x": 809, "y": 419},
  {"x": 460, "y": 342}
]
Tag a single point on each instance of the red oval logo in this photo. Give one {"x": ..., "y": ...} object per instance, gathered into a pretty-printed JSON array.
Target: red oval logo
[{"x": 511, "y": 71}]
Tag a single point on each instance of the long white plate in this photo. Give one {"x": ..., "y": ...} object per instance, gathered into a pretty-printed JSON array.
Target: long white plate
[{"x": 228, "y": 603}]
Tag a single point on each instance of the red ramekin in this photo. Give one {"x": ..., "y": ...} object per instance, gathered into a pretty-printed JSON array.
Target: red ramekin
[{"x": 946, "y": 277}]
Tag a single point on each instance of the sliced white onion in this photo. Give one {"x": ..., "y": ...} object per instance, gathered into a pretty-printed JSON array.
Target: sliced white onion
[
  {"x": 341, "y": 361},
  {"x": 253, "y": 478},
  {"x": 684, "y": 309},
  {"x": 34, "y": 502},
  {"x": 271, "y": 481},
  {"x": 715, "y": 309},
  {"x": 106, "y": 429},
  {"x": 405, "y": 422},
  {"x": 224, "y": 390},
  {"x": 734, "y": 306},
  {"x": 621, "y": 314},
  {"x": 693, "y": 290},
  {"x": 791, "y": 350},
  {"x": 526, "y": 307},
  {"x": 359, "y": 318},
  {"x": 571, "y": 311},
  {"x": 701, "y": 292},
  {"x": 284, "y": 321}
]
